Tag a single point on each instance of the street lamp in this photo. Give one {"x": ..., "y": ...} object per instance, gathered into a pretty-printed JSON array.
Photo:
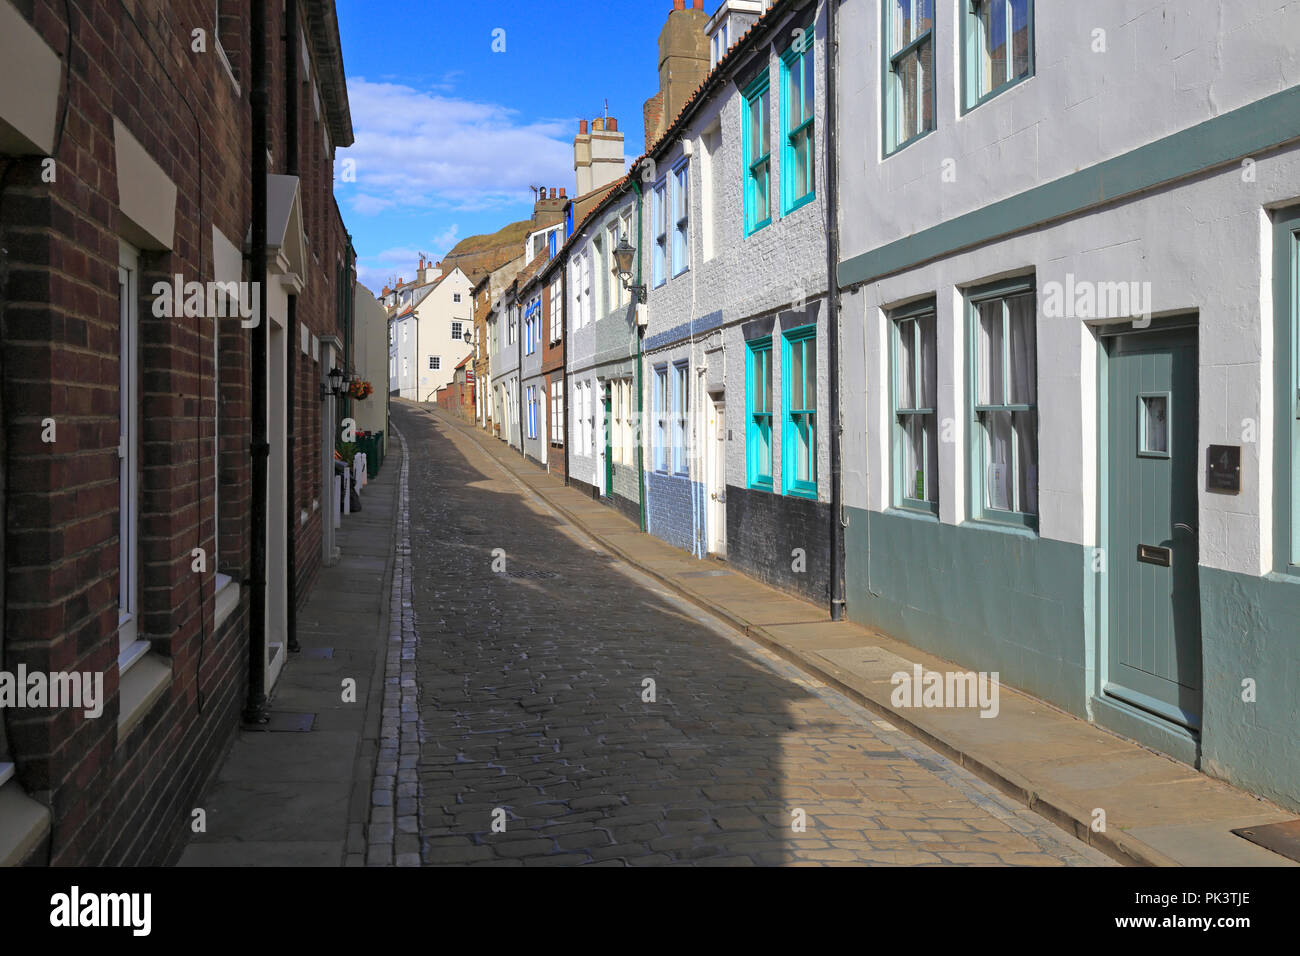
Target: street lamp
[
  {"x": 624, "y": 253},
  {"x": 334, "y": 383}
]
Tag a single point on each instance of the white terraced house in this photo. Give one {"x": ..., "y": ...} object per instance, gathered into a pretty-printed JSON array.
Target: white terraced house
[{"x": 1072, "y": 405}]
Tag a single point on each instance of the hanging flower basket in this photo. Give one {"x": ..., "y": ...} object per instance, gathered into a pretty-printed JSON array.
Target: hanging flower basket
[{"x": 361, "y": 390}]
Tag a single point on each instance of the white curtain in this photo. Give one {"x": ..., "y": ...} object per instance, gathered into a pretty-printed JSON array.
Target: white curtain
[
  {"x": 929, "y": 363},
  {"x": 1023, "y": 388},
  {"x": 990, "y": 352}
]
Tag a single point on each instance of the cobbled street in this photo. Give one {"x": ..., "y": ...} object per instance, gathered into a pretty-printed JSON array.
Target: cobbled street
[{"x": 533, "y": 717}]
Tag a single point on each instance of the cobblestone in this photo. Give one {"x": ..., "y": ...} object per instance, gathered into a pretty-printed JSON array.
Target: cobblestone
[{"x": 529, "y": 696}]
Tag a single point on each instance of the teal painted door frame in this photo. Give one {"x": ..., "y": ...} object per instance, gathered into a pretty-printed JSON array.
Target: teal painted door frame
[{"x": 1147, "y": 513}]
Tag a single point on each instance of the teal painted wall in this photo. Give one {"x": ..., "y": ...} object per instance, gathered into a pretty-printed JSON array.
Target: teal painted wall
[
  {"x": 990, "y": 600},
  {"x": 987, "y": 599},
  {"x": 1251, "y": 628}
]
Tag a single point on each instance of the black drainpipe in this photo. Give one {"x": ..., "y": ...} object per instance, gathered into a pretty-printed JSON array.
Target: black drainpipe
[
  {"x": 291, "y": 167},
  {"x": 259, "y": 448},
  {"x": 833, "y": 327}
]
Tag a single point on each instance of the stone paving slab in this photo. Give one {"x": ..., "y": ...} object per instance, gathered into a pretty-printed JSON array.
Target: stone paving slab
[
  {"x": 1048, "y": 760},
  {"x": 293, "y": 799}
]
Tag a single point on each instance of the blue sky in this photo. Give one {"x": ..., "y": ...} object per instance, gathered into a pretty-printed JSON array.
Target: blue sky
[{"x": 450, "y": 135}]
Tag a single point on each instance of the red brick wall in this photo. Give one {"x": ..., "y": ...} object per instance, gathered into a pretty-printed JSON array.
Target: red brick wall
[
  {"x": 127, "y": 801},
  {"x": 553, "y": 367}
]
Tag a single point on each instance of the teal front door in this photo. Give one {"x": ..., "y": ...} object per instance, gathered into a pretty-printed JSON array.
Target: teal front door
[{"x": 1154, "y": 634}]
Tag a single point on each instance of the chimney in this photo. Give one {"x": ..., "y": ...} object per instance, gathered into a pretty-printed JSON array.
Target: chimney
[
  {"x": 607, "y": 162},
  {"x": 399, "y": 282},
  {"x": 552, "y": 192},
  {"x": 562, "y": 192},
  {"x": 582, "y": 158},
  {"x": 683, "y": 64}
]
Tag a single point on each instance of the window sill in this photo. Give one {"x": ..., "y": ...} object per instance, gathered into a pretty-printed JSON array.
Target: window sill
[
  {"x": 914, "y": 511},
  {"x": 23, "y": 824},
  {"x": 796, "y": 492},
  {"x": 1013, "y": 524},
  {"x": 139, "y": 689},
  {"x": 906, "y": 143},
  {"x": 800, "y": 203},
  {"x": 994, "y": 94},
  {"x": 761, "y": 486},
  {"x": 759, "y": 227},
  {"x": 228, "y": 594},
  {"x": 225, "y": 61}
]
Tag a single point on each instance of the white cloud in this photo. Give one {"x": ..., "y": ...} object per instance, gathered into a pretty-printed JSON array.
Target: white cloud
[
  {"x": 376, "y": 271},
  {"x": 424, "y": 151}
]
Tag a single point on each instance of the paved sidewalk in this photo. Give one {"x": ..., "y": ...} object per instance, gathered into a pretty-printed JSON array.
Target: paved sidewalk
[
  {"x": 1158, "y": 812},
  {"x": 287, "y": 797}
]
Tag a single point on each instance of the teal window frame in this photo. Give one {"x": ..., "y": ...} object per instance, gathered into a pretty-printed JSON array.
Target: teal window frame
[
  {"x": 757, "y": 90},
  {"x": 804, "y": 61},
  {"x": 973, "y": 52},
  {"x": 797, "y": 413},
  {"x": 907, "y": 321},
  {"x": 979, "y": 511},
  {"x": 1286, "y": 304},
  {"x": 758, "y": 417},
  {"x": 890, "y": 84}
]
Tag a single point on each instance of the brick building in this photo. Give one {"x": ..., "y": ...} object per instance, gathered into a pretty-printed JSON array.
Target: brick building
[{"x": 126, "y": 162}]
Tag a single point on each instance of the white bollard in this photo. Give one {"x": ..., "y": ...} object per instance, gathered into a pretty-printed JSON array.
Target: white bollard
[
  {"x": 338, "y": 497},
  {"x": 356, "y": 472},
  {"x": 347, "y": 492},
  {"x": 365, "y": 469}
]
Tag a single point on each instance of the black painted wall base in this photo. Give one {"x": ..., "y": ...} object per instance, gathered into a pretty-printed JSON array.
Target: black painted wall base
[
  {"x": 763, "y": 532},
  {"x": 628, "y": 508}
]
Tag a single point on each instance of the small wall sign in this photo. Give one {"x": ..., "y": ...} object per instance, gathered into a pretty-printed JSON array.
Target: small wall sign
[{"x": 1223, "y": 469}]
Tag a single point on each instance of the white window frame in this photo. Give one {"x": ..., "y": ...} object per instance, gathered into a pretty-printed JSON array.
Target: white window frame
[
  {"x": 457, "y": 329},
  {"x": 586, "y": 288},
  {"x": 659, "y": 263},
  {"x": 557, "y": 327},
  {"x": 681, "y": 417},
  {"x": 130, "y": 645},
  {"x": 681, "y": 252},
  {"x": 435, "y": 363},
  {"x": 661, "y": 450}
]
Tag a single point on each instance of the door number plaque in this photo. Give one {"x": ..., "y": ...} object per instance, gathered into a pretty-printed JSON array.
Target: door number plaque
[{"x": 1223, "y": 469}]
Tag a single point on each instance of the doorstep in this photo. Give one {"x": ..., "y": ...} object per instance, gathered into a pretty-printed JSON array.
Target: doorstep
[{"x": 1158, "y": 811}]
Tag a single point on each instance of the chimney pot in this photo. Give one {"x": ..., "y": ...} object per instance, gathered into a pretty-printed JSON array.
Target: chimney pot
[
  {"x": 699, "y": 4},
  {"x": 582, "y": 127},
  {"x": 562, "y": 192},
  {"x": 598, "y": 125},
  {"x": 679, "y": 4},
  {"x": 613, "y": 125},
  {"x": 552, "y": 192}
]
